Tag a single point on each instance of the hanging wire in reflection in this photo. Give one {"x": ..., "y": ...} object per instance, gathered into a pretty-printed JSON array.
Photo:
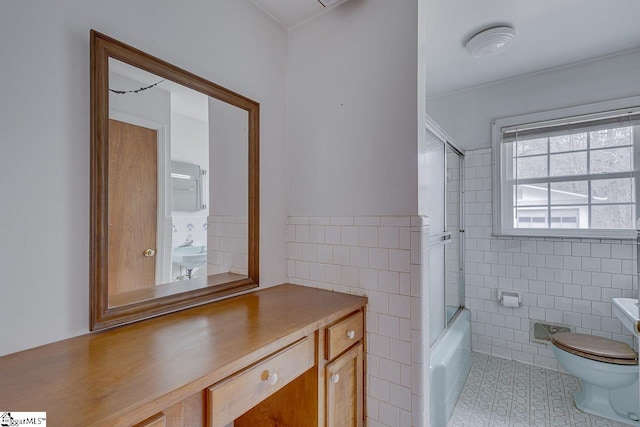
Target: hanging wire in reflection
[{"x": 124, "y": 92}]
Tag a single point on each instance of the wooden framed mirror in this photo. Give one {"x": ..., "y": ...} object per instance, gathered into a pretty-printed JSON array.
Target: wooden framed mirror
[{"x": 174, "y": 187}]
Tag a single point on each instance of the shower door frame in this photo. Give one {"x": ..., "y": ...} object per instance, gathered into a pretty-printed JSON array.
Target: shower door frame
[{"x": 461, "y": 287}]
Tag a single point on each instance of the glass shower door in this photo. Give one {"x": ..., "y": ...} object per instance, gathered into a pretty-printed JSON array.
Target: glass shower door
[
  {"x": 435, "y": 187},
  {"x": 445, "y": 277}
]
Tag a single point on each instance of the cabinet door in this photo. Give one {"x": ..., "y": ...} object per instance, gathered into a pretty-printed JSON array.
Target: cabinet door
[{"x": 344, "y": 386}]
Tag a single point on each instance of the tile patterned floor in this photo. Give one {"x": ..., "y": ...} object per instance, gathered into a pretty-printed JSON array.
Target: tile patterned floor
[{"x": 501, "y": 392}]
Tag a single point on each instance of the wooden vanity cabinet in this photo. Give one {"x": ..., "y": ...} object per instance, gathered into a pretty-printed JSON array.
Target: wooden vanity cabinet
[
  {"x": 344, "y": 385},
  {"x": 236, "y": 395},
  {"x": 266, "y": 358},
  {"x": 344, "y": 372},
  {"x": 329, "y": 394}
]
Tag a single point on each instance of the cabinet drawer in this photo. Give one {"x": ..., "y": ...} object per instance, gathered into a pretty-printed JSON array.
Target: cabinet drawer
[
  {"x": 344, "y": 334},
  {"x": 232, "y": 397}
]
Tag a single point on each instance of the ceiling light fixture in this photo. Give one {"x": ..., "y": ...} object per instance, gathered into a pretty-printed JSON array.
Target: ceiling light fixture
[{"x": 490, "y": 42}]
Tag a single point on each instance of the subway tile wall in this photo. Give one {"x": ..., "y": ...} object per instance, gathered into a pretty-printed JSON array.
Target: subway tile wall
[
  {"x": 567, "y": 281},
  {"x": 386, "y": 259},
  {"x": 189, "y": 227},
  {"x": 228, "y": 244}
]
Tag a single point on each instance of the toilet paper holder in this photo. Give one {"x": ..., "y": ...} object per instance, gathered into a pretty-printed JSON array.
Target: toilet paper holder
[{"x": 510, "y": 299}]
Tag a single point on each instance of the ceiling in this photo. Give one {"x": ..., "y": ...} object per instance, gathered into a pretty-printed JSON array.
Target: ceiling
[
  {"x": 185, "y": 101},
  {"x": 549, "y": 34},
  {"x": 293, "y": 12}
]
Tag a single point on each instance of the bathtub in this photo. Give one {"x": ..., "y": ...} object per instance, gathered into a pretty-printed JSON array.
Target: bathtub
[{"x": 449, "y": 366}]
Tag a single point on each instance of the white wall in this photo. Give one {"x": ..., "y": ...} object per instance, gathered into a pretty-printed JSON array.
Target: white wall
[
  {"x": 229, "y": 177},
  {"x": 467, "y": 115},
  {"x": 353, "y": 100},
  {"x": 189, "y": 140},
  {"x": 44, "y": 129},
  {"x": 354, "y": 105}
]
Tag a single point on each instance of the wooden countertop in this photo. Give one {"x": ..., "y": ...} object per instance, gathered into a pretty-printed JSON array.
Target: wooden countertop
[{"x": 103, "y": 378}]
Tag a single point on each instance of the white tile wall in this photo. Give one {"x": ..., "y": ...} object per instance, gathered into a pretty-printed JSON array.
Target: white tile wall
[
  {"x": 386, "y": 259},
  {"x": 228, "y": 244},
  {"x": 191, "y": 226},
  {"x": 570, "y": 281}
]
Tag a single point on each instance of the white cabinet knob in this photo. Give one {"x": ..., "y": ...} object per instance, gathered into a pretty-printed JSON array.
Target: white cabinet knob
[
  {"x": 351, "y": 334},
  {"x": 335, "y": 378},
  {"x": 272, "y": 379}
]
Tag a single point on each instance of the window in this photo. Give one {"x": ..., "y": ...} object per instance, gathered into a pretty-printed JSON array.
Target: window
[{"x": 568, "y": 175}]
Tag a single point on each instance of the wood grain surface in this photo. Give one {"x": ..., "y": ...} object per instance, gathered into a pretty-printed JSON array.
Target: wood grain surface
[{"x": 126, "y": 375}]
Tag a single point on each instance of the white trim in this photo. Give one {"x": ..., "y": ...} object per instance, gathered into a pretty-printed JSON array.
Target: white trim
[
  {"x": 496, "y": 138},
  {"x": 163, "y": 182},
  {"x": 499, "y": 228}
]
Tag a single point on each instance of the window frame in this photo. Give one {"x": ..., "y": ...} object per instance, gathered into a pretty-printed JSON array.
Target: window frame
[{"x": 503, "y": 225}]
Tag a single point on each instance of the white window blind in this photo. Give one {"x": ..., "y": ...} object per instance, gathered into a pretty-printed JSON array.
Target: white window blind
[{"x": 572, "y": 125}]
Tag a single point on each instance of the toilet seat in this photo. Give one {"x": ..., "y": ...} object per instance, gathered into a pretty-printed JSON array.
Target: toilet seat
[{"x": 595, "y": 348}]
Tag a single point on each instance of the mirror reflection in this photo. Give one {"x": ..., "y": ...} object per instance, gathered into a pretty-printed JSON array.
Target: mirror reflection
[{"x": 178, "y": 188}]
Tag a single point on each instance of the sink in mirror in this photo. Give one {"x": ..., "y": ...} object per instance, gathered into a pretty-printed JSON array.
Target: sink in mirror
[
  {"x": 174, "y": 193},
  {"x": 626, "y": 309},
  {"x": 188, "y": 260}
]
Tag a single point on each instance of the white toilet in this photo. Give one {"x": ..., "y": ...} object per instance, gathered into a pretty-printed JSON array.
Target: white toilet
[{"x": 608, "y": 372}]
